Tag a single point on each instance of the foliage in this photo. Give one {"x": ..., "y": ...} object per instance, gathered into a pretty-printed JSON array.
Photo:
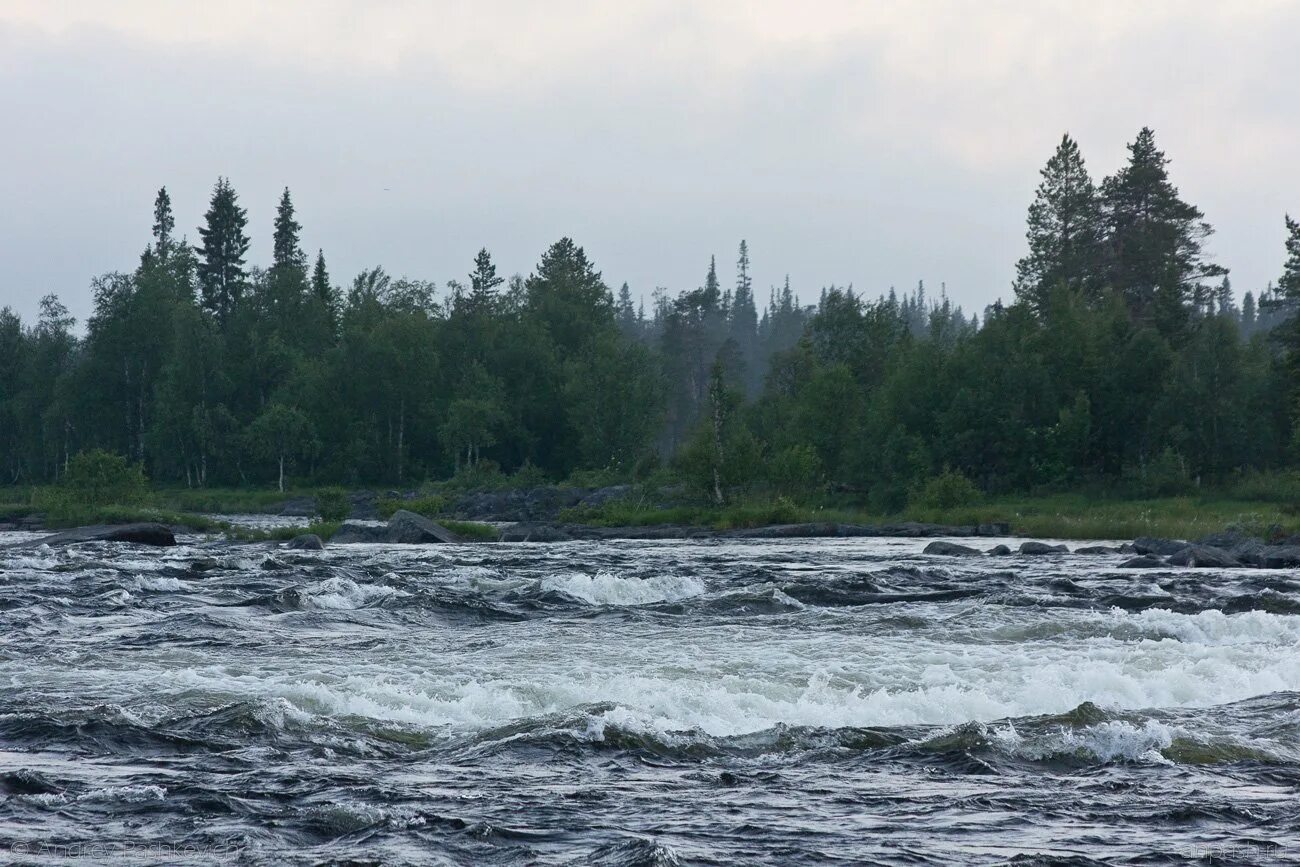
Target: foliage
[
  {"x": 333, "y": 505},
  {"x": 98, "y": 478}
]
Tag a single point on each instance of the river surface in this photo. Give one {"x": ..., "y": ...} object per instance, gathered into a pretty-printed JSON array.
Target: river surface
[{"x": 640, "y": 703}]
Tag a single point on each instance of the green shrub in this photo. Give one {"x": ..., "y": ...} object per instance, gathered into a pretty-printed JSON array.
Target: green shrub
[
  {"x": 93, "y": 481},
  {"x": 948, "y": 490},
  {"x": 529, "y": 475},
  {"x": 333, "y": 505}
]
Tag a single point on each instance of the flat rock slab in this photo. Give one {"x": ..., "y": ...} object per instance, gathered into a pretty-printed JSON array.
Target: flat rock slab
[{"x": 158, "y": 535}]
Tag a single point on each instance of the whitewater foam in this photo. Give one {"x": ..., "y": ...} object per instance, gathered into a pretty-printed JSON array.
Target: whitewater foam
[{"x": 607, "y": 588}]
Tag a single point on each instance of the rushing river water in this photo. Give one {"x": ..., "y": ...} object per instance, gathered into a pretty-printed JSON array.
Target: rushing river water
[{"x": 815, "y": 701}]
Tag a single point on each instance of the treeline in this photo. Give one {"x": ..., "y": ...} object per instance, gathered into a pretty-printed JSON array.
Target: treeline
[{"x": 1124, "y": 356}]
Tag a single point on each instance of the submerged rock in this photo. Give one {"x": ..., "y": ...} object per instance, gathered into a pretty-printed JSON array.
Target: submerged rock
[
  {"x": 1038, "y": 548},
  {"x": 1096, "y": 549},
  {"x": 1000, "y": 551},
  {"x": 1146, "y": 561},
  {"x": 158, "y": 535},
  {"x": 950, "y": 549},
  {"x": 306, "y": 542}
]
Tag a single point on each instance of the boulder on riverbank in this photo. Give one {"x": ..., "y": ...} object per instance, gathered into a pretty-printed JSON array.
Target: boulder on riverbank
[{"x": 157, "y": 535}]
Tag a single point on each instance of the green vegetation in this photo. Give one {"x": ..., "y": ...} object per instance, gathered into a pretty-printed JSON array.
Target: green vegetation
[
  {"x": 333, "y": 505},
  {"x": 1062, "y": 516},
  {"x": 1125, "y": 367},
  {"x": 324, "y": 529}
]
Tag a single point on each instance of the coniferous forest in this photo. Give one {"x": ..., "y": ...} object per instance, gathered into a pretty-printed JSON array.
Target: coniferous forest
[{"x": 1122, "y": 354}]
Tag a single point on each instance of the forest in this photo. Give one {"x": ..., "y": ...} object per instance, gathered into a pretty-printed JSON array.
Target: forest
[{"x": 1121, "y": 358}]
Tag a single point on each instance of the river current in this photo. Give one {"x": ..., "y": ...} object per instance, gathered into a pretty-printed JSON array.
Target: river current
[{"x": 638, "y": 703}]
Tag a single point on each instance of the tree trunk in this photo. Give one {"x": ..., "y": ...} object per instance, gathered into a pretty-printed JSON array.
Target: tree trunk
[{"x": 282, "y": 474}]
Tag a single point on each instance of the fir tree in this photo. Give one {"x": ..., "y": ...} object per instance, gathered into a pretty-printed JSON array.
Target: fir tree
[
  {"x": 222, "y": 278},
  {"x": 1065, "y": 231}
]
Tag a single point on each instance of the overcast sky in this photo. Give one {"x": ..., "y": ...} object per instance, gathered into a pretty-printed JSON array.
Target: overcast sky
[{"x": 849, "y": 141}]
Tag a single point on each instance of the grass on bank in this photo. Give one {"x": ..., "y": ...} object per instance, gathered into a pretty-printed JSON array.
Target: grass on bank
[{"x": 1062, "y": 516}]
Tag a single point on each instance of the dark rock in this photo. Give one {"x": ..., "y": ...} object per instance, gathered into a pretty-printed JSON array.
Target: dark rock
[
  {"x": 950, "y": 549},
  {"x": 32, "y": 522},
  {"x": 1250, "y": 552},
  {"x": 159, "y": 535},
  {"x": 1038, "y": 548},
  {"x": 1280, "y": 556},
  {"x": 1096, "y": 549},
  {"x": 1203, "y": 556},
  {"x": 1158, "y": 547},
  {"x": 1146, "y": 561},
  {"x": 1000, "y": 551},
  {"x": 205, "y": 564},
  {"x": 306, "y": 542},
  {"x": 408, "y": 528},
  {"x": 534, "y": 532},
  {"x": 994, "y": 529},
  {"x": 353, "y": 532}
]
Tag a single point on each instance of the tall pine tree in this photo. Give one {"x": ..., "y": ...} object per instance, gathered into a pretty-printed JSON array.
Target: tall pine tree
[
  {"x": 1156, "y": 257},
  {"x": 1065, "y": 231}
]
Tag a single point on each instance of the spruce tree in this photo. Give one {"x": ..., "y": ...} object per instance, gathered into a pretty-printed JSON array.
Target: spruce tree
[
  {"x": 163, "y": 223},
  {"x": 1065, "y": 231},
  {"x": 222, "y": 278},
  {"x": 1156, "y": 257},
  {"x": 320, "y": 281},
  {"x": 287, "y": 255}
]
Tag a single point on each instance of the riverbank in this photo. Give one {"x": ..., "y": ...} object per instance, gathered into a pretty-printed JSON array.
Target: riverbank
[{"x": 624, "y": 512}]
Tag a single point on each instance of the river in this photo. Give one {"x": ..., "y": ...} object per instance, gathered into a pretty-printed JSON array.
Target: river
[{"x": 717, "y": 702}]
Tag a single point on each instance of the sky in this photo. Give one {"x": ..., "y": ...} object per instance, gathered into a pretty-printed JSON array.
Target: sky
[{"x": 850, "y": 142}]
